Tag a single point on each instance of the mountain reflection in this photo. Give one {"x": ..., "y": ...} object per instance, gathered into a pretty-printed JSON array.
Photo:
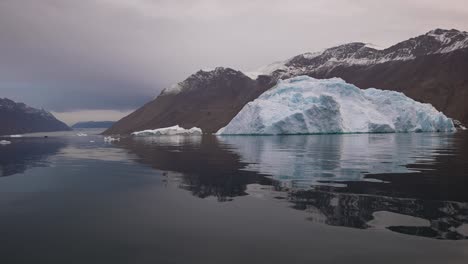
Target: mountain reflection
[
  {"x": 27, "y": 153},
  {"x": 206, "y": 167},
  {"x": 408, "y": 183},
  {"x": 445, "y": 219}
]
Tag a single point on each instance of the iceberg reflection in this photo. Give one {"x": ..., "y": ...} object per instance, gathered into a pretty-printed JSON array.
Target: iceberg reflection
[{"x": 302, "y": 161}]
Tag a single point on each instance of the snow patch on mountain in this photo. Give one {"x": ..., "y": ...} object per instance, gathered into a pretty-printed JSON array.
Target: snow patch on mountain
[
  {"x": 200, "y": 79},
  {"x": 267, "y": 70},
  {"x": 304, "y": 105},
  {"x": 169, "y": 131},
  {"x": 449, "y": 40},
  {"x": 10, "y": 105},
  {"x": 437, "y": 41},
  {"x": 173, "y": 89},
  {"x": 374, "y": 46}
]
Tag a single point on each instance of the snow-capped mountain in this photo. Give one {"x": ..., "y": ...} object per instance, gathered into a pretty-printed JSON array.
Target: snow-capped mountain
[
  {"x": 201, "y": 79},
  {"x": 430, "y": 68},
  {"x": 206, "y": 99},
  {"x": 437, "y": 41},
  {"x": 18, "y": 118}
]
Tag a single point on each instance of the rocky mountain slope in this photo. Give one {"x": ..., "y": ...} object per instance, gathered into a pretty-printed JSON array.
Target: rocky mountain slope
[
  {"x": 208, "y": 100},
  {"x": 18, "y": 118},
  {"x": 431, "y": 68}
]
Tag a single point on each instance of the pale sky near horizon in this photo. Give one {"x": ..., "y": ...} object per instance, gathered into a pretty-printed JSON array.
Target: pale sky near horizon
[{"x": 100, "y": 59}]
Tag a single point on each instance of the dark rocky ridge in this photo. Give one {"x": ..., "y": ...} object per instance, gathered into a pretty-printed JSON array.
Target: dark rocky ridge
[
  {"x": 431, "y": 68},
  {"x": 18, "y": 118}
]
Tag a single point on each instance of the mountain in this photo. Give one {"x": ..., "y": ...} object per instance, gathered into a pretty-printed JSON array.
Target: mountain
[
  {"x": 206, "y": 99},
  {"x": 18, "y": 118},
  {"x": 93, "y": 124},
  {"x": 431, "y": 68},
  {"x": 438, "y": 41}
]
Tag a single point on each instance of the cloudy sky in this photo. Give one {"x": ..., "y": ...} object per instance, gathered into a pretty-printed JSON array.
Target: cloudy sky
[{"x": 100, "y": 59}]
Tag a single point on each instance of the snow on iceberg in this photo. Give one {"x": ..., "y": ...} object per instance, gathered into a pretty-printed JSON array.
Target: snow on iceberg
[
  {"x": 169, "y": 131},
  {"x": 304, "y": 105}
]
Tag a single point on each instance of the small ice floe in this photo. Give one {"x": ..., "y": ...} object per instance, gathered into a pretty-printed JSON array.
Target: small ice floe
[
  {"x": 82, "y": 134},
  {"x": 169, "y": 131},
  {"x": 5, "y": 142},
  {"x": 16, "y": 136},
  {"x": 459, "y": 124},
  {"x": 111, "y": 139},
  {"x": 91, "y": 141}
]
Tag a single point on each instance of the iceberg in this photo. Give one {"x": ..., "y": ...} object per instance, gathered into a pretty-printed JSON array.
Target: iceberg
[
  {"x": 5, "y": 142},
  {"x": 169, "y": 131},
  {"x": 304, "y": 105}
]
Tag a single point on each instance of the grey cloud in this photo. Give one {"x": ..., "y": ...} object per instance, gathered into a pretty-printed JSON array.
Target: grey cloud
[{"x": 68, "y": 55}]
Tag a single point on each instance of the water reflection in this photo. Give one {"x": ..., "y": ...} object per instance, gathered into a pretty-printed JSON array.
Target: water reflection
[
  {"x": 23, "y": 154},
  {"x": 205, "y": 167},
  {"x": 428, "y": 218},
  {"x": 302, "y": 161},
  {"x": 413, "y": 184}
]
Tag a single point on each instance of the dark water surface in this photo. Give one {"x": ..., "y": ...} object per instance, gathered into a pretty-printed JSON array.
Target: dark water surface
[{"x": 382, "y": 198}]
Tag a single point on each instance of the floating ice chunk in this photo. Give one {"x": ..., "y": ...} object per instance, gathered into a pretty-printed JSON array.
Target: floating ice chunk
[
  {"x": 459, "y": 125},
  {"x": 5, "y": 142},
  {"x": 169, "y": 131},
  {"x": 304, "y": 105},
  {"x": 16, "y": 136},
  {"x": 111, "y": 139},
  {"x": 82, "y": 134}
]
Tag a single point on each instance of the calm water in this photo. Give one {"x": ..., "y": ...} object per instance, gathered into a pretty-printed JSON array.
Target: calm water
[{"x": 384, "y": 198}]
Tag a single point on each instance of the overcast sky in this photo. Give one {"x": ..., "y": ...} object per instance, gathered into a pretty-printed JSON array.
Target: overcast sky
[{"x": 107, "y": 57}]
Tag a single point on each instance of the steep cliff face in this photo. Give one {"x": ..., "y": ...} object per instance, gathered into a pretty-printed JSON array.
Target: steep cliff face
[
  {"x": 18, "y": 118},
  {"x": 431, "y": 68}
]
